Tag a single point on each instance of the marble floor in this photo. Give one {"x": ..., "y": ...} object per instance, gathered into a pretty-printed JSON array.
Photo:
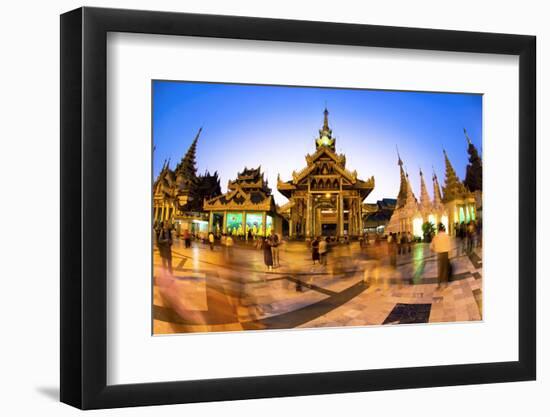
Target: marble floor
[{"x": 216, "y": 290}]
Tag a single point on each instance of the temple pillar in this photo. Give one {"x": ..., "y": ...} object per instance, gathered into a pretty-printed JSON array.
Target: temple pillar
[
  {"x": 224, "y": 223},
  {"x": 290, "y": 228},
  {"x": 210, "y": 220},
  {"x": 315, "y": 217},
  {"x": 264, "y": 224},
  {"x": 359, "y": 217},
  {"x": 244, "y": 224},
  {"x": 356, "y": 217},
  {"x": 341, "y": 215},
  {"x": 308, "y": 217},
  {"x": 351, "y": 217}
]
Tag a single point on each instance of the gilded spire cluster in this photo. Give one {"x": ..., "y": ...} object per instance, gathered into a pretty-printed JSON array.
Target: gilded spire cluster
[{"x": 406, "y": 195}]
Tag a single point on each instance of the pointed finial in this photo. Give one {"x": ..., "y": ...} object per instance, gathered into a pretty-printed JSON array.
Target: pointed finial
[
  {"x": 325, "y": 120},
  {"x": 399, "y": 161},
  {"x": 467, "y": 137},
  {"x": 198, "y": 134}
]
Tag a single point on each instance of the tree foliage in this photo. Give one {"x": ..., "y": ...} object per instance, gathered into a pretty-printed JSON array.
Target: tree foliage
[{"x": 428, "y": 230}]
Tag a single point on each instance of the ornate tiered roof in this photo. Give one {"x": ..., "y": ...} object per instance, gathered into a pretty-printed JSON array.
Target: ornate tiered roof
[
  {"x": 326, "y": 165},
  {"x": 251, "y": 179},
  {"x": 249, "y": 191}
]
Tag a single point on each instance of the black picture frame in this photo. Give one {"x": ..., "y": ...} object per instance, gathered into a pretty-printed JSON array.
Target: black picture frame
[{"x": 84, "y": 207}]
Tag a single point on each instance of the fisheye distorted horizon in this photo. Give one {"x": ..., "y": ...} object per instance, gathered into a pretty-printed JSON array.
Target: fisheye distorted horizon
[{"x": 276, "y": 126}]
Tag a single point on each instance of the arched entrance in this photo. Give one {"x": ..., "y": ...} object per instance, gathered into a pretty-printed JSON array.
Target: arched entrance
[{"x": 326, "y": 215}]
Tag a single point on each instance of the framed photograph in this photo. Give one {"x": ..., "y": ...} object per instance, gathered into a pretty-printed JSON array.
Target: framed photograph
[{"x": 258, "y": 208}]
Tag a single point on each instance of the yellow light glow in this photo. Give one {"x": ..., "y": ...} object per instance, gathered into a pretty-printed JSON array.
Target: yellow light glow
[
  {"x": 417, "y": 227},
  {"x": 445, "y": 221}
]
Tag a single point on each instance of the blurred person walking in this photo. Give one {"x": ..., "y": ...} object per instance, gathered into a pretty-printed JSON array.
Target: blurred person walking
[
  {"x": 229, "y": 246},
  {"x": 323, "y": 250},
  {"x": 315, "y": 250},
  {"x": 211, "y": 240},
  {"x": 471, "y": 235},
  {"x": 441, "y": 244},
  {"x": 187, "y": 238},
  {"x": 164, "y": 243},
  {"x": 274, "y": 243},
  {"x": 392, "y": 249},
  {"x": 409, "y": 240},
  {"x": 268, "y": 256}
]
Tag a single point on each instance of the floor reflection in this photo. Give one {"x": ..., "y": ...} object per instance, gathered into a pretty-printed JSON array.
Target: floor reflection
[{"x": 227, "y": 289}]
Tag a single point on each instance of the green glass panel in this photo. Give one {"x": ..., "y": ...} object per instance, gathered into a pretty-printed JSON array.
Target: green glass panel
[
  {"x": 254, "y": 223},
  {"x": 268, "y": 224}
]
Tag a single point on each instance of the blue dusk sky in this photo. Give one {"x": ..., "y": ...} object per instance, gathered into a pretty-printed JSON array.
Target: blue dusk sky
[{"x": 276, "y": 126}]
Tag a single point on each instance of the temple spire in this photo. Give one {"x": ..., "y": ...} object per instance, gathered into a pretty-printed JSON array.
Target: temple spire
[
  {"x": 186, "y": 170},
  {"x": 187, "y": 166},
  {"x": 403, "y": 186},
  {"x": 399, "y": 161},
  {"x": 411, "y": 198},
  {"x": 467, "y": 137},
  {"x": 437, "y": 191},
  {"x": 325, "y": 120},
  {"x": 474, "y": 170},
  {"x": 453, "y": 187},
  {"x": 325, "y": 134},
  {"x": 424, "y": 197}
]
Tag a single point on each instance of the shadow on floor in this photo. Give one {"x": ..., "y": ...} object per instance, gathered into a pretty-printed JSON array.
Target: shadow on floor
[{"x": 50, "y": 392}]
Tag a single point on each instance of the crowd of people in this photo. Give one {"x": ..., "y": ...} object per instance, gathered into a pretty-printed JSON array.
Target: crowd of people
[
  {"x": 469, "y": 235},
  {"x": 468, "y": 238}
]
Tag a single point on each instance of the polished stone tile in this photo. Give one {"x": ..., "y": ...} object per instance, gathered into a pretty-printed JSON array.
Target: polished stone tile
[{"x": 216, "y": 291}]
